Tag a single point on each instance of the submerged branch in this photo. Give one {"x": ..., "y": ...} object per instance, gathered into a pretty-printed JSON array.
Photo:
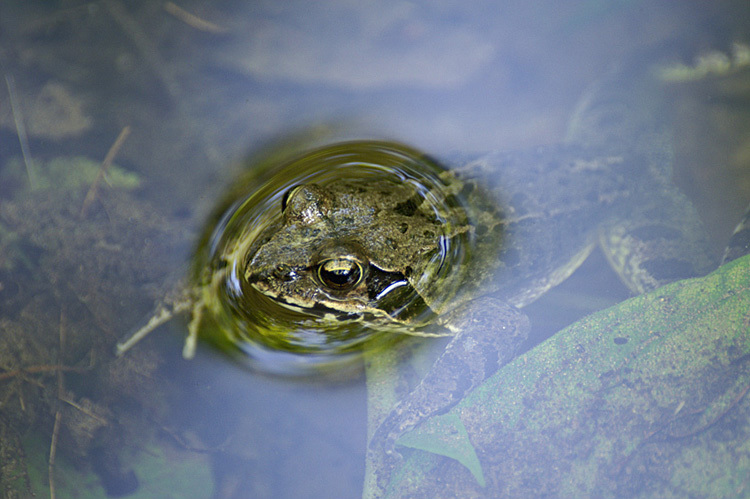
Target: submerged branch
[
  {"x": 94, "y": 189},
  {"x": 192, "y": 20},
  {"x": 39, "y": 369}
]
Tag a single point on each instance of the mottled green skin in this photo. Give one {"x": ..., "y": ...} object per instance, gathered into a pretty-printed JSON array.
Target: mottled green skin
[{"x": 375, "y": 225}]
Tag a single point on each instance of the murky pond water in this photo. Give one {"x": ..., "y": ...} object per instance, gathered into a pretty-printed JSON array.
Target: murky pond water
[{"x": 88, "y": 246}]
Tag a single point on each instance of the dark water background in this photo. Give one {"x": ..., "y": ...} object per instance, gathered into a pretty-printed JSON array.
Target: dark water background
[{"x": 441, "y": 76}]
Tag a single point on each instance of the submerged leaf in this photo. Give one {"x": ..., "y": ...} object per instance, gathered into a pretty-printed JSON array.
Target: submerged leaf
[
  {"x": 446, "y": 436},
  {"x": 625, "y": 402}
]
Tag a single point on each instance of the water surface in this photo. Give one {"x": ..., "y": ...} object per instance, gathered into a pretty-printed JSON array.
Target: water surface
[{"x": 201, "y": 93}]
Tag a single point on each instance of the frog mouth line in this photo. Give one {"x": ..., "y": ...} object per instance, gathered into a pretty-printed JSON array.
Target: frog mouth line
[
  {"x": 319, "y": 309},
  {"x": 395, "y": 316}
]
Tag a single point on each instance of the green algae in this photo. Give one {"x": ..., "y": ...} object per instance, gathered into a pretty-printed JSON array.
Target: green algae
[{"x": 66, "y": 173}]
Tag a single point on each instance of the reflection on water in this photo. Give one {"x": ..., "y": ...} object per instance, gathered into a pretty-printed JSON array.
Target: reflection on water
[{"x": 444, "y": 76}]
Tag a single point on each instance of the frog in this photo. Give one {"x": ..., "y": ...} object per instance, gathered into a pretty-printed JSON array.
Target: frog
[{"x": 372, "y": 252}]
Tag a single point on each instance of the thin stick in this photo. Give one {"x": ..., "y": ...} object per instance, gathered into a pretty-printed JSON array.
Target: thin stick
[
  {"x": 192, "y": 20},
  {"x": 10, "y": 82},
  {"x": 52, "y": 453},
  {"x": 113, "y": 150},
  {"x": 163, "y": 314},
  {"x": 39, "y": 369},
  {"x": 85, "y": 411},
  {"x": 58, "y": 414},
  {"x": 60, "y": 349}
]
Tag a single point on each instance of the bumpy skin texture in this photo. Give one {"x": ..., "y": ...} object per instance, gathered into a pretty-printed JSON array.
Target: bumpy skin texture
[{"x": 374, "y": 228}]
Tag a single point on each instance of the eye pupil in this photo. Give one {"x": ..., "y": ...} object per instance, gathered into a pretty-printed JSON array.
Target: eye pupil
[{"x": 340, "y": 274}]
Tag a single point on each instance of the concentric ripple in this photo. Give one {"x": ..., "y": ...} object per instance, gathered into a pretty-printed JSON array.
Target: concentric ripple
[{"x": 277, "y": 338}]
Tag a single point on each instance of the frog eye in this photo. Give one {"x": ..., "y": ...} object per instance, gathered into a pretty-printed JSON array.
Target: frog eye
[{"x": 340, "y": 274}]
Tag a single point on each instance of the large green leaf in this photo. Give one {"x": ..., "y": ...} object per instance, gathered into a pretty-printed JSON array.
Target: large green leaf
[{"x": 645, "y": 398}]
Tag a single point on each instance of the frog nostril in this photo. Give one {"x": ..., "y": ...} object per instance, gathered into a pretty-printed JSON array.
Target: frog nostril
[{"x": 284, "y": 272}]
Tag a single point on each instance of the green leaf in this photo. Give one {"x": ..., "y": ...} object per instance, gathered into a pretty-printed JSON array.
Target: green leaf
[
  {"x": 446, "y": 436},
  {"x": 646, "y": 398}
]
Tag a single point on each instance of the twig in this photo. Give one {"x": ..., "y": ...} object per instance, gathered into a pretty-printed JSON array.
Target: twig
[
  {"x": 60, "y": 350},
  {"x": 39, "y": 369},
  {"x": 58, "y": 414},
  {"x": 94, "y": 189},
  {"x": 21, "y": 131},
  {"x": 162, "y": 315},
  {"x": 52, "y": 453},
  {"x": 85, "y": 411},
  {"x": 192, "y": 20}
]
